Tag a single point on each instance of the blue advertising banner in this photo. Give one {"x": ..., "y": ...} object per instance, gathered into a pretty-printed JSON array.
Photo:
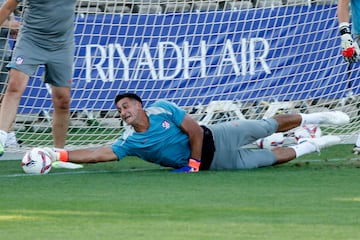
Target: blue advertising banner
[{"x": 191, "y": 57}]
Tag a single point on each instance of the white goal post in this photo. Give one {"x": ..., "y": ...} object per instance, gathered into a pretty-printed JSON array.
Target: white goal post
[{"x": 220, "y": 60}]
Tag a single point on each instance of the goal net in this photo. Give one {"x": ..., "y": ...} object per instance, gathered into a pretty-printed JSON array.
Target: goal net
[{"x": 219, "y": 60}]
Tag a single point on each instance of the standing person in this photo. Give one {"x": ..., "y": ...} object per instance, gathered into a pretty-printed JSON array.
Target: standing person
[
  {"x": 350, "y": 45},
  {"x": 9, "y": 28},
  {"x": 166, "y": 135},
  {"x": 46, "y": 38}
]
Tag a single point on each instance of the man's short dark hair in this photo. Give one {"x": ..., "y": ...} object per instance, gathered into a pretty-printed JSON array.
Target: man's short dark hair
[{"x": 127, "y": 95}]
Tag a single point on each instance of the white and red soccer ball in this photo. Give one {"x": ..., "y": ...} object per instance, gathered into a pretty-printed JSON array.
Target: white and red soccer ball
[
  {"x": 307, "y": 131},
  {"x": 36, "y": 161},
  {"x": 272, "y": 141}
]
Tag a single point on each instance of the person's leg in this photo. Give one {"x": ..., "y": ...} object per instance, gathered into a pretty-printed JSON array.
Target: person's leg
[
  {"x": 230, "y": 136},
  {"x": 11, "y": 140},
  {"x": 61, "y": 115},
  {"x": 9, "y": 106},
  {"x": 242, "y": 132},
  {"x": 25, "y": 60},
  {"x": 290, "y": 121},
  {"x": 283, "y": 154},
  {"x": 59, "y": 73},
  {"x": 287, "y": 121},
  {"x": 310, "y": 145},
  {"x": 243, "y": 158}
]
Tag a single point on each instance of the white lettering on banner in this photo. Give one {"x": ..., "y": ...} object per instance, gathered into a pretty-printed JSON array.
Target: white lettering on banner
[
  {"x": 243, "y": 56},
  {"x": 131, "y": 64},
  {"x": 125, "y": 60},
  {"x": 145, "y": 60},
  {"x": 188, "y": 59},
  {"x": 177, "y": 68},
  {"x": 228, "y": 55},
  {"x": 98, "y": 65},
  {"x": 261, "y": 58}
]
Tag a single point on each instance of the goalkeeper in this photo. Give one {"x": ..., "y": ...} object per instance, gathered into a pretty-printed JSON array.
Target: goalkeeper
[
  {"x": 166, "y": 135},
  {"x": 350, "y": 45}
]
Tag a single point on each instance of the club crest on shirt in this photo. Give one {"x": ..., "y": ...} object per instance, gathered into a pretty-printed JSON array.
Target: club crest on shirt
[
  {"x": 165, "y": 124},
  {"x": 19, "y": 60}
]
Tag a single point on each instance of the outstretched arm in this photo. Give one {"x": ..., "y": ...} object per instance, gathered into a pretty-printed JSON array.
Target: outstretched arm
[{"x": 104, "y": 154}]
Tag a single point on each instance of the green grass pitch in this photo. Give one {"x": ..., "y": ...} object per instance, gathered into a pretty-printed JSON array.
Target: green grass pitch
[{"x": 315, "y": 197}]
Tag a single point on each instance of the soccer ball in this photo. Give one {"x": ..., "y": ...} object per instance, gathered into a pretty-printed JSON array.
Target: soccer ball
[
  {"x": 36, "y": 161},
  {"x": 307, "y": 131},
  {"x": 272, "y": 141}
]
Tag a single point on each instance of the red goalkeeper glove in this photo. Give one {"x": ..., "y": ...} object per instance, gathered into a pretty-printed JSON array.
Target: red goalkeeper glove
[
  {"x": 350, "y": 49},
  {"x": 193, "y": 166}
]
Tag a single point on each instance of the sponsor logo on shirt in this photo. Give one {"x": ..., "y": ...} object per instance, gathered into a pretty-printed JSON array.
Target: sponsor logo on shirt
[{"x": 165, "y": 124}]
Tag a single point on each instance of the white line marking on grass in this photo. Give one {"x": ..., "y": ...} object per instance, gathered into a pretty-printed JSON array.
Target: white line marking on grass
[{"x": 78, "y": 172}]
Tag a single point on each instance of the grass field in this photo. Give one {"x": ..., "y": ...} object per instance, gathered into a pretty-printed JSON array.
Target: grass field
[{"x": 317, "y": 197}]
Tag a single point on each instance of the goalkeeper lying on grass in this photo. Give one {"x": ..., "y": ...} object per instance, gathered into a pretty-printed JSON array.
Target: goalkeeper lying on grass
[{"x": 166, "y": 135}]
